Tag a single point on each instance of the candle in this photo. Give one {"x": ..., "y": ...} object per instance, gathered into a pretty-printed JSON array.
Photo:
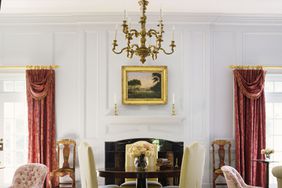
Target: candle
[
  {"x": 115, "y": 99},
  {"x": 161, "y": 14},
  {"x": 116, "y": 31},
  {"x": 129, "y": 23},
  {"x": 173, "y": 98},
  {"x": 124, "y": 14},
  {"x": 173, "y": 29}
]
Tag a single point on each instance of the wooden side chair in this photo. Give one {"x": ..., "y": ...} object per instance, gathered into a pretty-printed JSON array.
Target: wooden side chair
[
  {"x": 220, "y": 147},
  {"x": 65, "y": 146}
]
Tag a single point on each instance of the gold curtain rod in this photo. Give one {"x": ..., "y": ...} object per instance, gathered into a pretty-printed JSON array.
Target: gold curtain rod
[
  {"x": 31, "y": 67},
  {"x": 254, "y": 67}
]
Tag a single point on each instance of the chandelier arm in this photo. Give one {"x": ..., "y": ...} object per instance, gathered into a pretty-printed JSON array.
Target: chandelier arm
[
  {"x": 154, "y": 50},
  {"x": 134, "y": 32},
  {"x": 134, "y": 45},
  {"x": 152, "y": 32},
  {"x": 119, "y": 52},
  {"x": 167, "y": 53}
]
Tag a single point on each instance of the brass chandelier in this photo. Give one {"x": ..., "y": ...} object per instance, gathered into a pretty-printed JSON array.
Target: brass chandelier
[{"x": 143, "y": 50}]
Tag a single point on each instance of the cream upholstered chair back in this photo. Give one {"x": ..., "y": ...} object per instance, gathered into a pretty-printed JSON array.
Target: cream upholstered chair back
[
  {"x": 30, "y": 175},
  {"x": 87, "y": 166},
  {"x": 277, "y": 172},
  {"x": 192, "y": 167}
]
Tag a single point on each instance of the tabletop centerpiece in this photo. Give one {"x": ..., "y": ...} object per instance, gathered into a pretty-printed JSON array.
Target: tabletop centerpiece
[
  {"x": 141, "y": 151},
  {"x": 267, "y": 152}
]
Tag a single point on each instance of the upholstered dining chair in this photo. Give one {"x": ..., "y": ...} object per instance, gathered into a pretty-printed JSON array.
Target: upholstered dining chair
[
  {"x": 192, "y": 167},
  {"x": 30, "y": 176},
  {"x": 277, "y": 172},
  {"x": 88, "y": 172},
  {"x": 233, "y": 178},
  {"x": 129, "y": 164}
]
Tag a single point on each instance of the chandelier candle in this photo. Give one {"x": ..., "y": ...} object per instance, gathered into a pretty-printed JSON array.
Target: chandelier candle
[{"x": 143, "y": 49}]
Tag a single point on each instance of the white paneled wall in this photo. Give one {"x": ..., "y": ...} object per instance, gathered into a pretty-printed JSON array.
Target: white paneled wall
[{"x": 90, "y": 74}]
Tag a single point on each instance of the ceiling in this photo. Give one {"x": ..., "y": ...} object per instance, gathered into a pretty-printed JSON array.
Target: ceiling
[{"x": 191, "y": 6}]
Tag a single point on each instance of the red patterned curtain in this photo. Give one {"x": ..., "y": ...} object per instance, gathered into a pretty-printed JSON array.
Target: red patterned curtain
[
  {"x": 41, "y": 117},
  {"x": 250, "y": 136}
]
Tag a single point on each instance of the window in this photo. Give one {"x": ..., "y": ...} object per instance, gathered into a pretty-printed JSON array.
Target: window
[
  {"x": 13, "y": 123},
  {"x": 273, "y": 92}
]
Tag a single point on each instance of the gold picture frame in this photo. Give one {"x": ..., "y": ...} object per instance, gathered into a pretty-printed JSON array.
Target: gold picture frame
[{"x": 144, "y": 85}]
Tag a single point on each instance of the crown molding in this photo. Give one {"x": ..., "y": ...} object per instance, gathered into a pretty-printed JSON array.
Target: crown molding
[{"x": 169, "y": 18}]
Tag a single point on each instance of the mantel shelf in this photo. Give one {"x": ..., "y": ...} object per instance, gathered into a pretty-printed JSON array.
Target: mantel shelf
[{"x": 151, "y": 120}]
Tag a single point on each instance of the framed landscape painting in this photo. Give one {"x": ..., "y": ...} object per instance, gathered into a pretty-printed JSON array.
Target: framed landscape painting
[{"x": 144, "y": 85}]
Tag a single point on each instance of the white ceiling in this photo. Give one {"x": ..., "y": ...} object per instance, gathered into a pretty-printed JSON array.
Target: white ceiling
[{"x": 200, "y": 6}]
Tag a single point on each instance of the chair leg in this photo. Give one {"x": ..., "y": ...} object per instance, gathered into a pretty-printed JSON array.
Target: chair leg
[
  {"x": 50, "y": 181},
  {"x": 213, "y": 182},
  {"x": 72, "y": 176}
]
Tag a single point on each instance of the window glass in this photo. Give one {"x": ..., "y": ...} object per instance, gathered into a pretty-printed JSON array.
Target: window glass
[
  {"x": 13, "y": 125},
  {"x": 273, "y": 92}
]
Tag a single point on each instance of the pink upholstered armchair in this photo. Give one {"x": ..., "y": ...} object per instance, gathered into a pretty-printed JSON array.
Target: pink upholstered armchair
[
  {"x": 30, "y": 176},
  {"x": 233, "y": 178}
]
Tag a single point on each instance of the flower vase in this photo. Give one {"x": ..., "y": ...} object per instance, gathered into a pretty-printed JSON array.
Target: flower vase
[
  {"x": 141, "y": 162},
  {"x": 267, "y": 156}
]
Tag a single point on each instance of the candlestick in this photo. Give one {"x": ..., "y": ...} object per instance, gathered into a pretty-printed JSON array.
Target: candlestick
[
  {"x": 160, "y": 26},
  {"x": 116, "y": 110},
  {"x": 161, "y": 14},
  {"x": 173, "y": 111}
]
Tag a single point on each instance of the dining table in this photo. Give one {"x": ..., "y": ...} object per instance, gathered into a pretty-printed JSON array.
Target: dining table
[{"x": 140, "y": 175}]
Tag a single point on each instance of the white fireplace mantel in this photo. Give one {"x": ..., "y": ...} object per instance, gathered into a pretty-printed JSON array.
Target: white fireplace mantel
[{"x": 151, "y": 120}]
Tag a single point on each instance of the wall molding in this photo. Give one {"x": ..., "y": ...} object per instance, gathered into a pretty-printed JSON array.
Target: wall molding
[
  {"x": 140, "y": 120},
  {"x": 169, "y": 18}
]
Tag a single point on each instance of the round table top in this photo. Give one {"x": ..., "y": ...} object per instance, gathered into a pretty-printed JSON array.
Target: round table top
[{"x": 133, "y": 173}]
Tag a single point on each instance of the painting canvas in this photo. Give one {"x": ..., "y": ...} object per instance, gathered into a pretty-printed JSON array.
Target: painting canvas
[{"x": 144, "y": 84}]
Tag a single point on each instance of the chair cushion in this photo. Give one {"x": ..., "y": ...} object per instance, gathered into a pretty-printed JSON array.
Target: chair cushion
[
  {"x": 218, "y": 171},
  {"x": 132, "y": 184},
  {"x": 108, "y": 186}
]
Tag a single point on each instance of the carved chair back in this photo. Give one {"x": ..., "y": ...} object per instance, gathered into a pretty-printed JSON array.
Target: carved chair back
[
  {"x": 220, "y": 147},
  {"x": 64, "y": 147}
]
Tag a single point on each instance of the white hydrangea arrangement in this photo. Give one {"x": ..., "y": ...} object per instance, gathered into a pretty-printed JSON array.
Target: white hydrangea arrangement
[
  {"x": 141, "y": 148},
  {"x": 267, "y": 152}
]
